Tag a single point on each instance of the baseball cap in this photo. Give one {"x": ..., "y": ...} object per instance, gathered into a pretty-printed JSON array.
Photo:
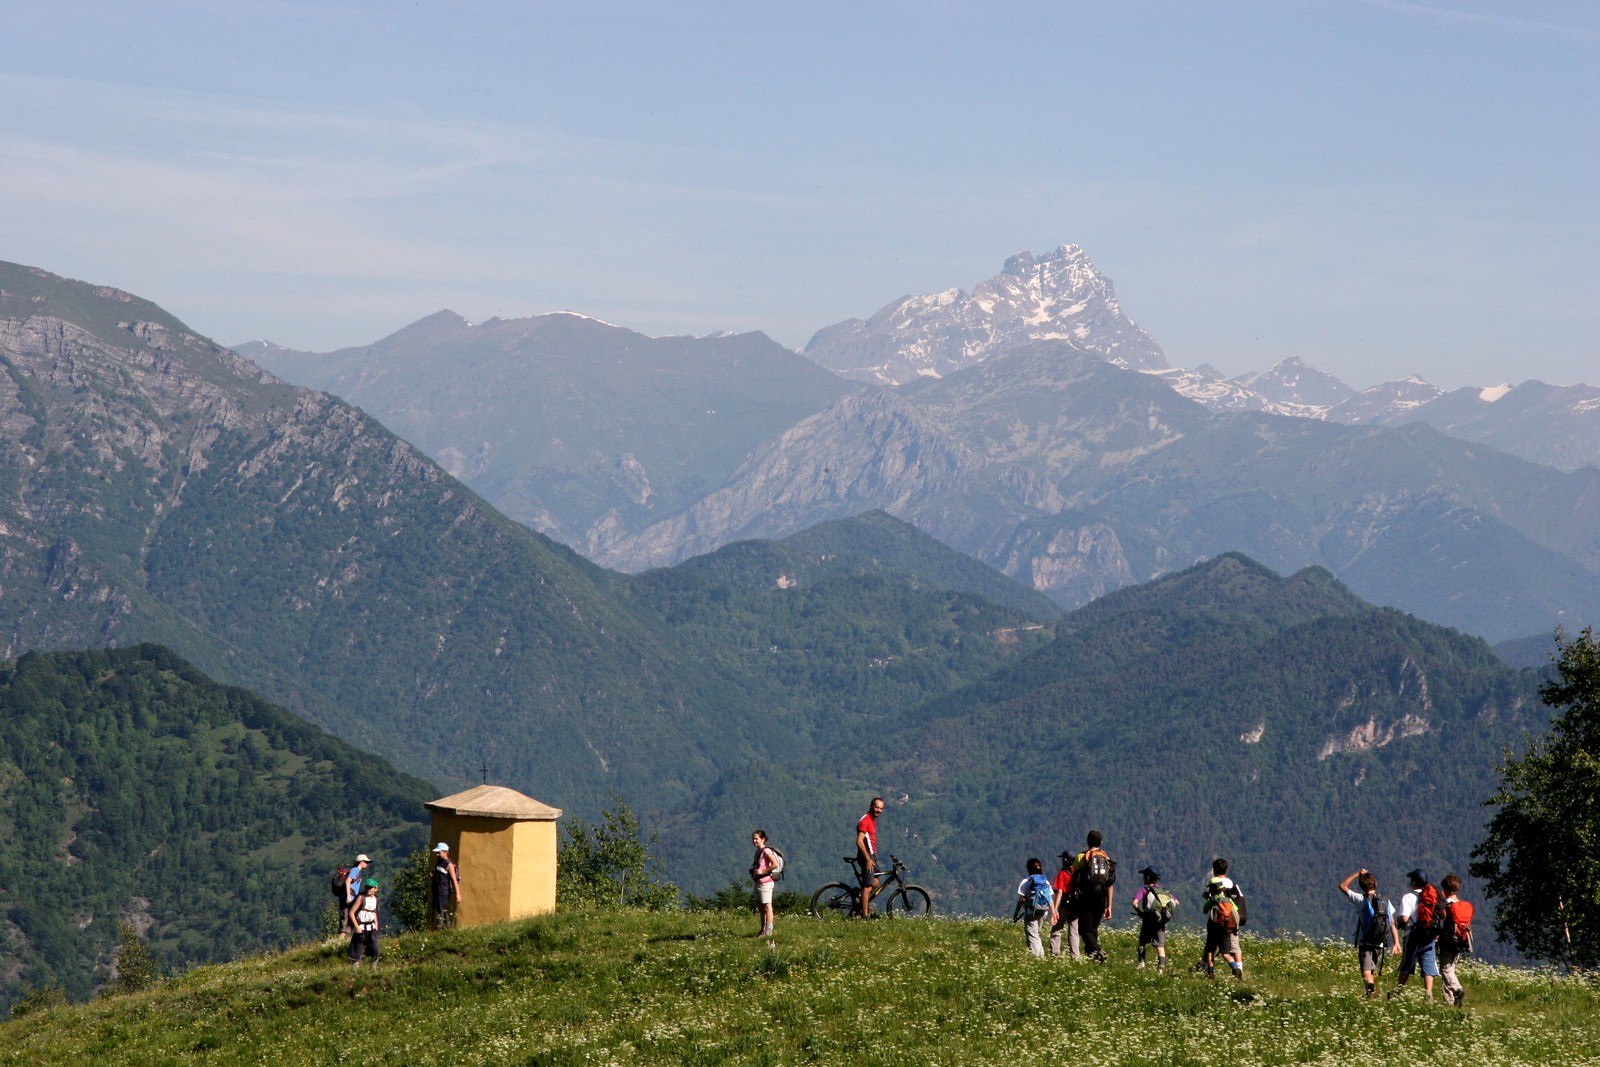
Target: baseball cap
[
  {"x": 1416, "y": 875},
  {"x": 371, "y": 883},
  {"x": 1153, "y": 874},
  {"x": 441, "y": 847},
  {"x": 363, "y": 858}
]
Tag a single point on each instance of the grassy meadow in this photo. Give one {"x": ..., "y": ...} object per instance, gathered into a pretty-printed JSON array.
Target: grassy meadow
[{"x": 630, "y": 987}]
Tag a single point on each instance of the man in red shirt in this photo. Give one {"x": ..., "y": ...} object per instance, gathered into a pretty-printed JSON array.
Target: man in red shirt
[{"x": 867, "y": 853}]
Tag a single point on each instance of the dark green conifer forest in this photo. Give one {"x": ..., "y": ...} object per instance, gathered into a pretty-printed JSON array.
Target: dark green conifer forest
[{"x": 132, "y": 787}]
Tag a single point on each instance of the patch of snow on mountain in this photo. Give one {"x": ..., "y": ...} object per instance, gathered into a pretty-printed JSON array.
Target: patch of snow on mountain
[{"x": 1495, "y": 392}]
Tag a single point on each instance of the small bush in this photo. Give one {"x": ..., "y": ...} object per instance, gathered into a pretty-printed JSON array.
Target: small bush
[
  {"x": 408, "y": 891},
  {"x": 49, "y": 995}
]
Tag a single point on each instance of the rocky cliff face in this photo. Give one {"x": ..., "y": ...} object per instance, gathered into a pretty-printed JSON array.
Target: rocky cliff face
[{"x": 1056, "y": 297}]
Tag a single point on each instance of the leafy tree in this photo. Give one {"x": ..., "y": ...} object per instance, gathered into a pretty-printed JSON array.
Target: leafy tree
[
  {"x": 609, "y": 865},
  {"x": 136, "y": 966},
  {"x": 408, "y": 891},
  {"x": 1541, "y": 858}
]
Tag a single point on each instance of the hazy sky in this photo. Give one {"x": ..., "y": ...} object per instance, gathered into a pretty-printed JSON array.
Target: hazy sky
[{"x": 1380, "y": 187}]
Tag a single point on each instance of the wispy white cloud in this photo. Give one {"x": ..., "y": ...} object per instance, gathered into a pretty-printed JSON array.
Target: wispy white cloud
[{"x": 1499, "y": 16}]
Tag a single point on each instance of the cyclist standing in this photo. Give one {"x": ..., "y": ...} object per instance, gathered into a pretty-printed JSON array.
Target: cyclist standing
[{"x": 866, "y": 858}]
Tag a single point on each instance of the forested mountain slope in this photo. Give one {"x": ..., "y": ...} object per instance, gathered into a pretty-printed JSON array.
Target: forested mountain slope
[
  {"x": 133, "y": 787},
  {"x": 1220, "y": 711}
]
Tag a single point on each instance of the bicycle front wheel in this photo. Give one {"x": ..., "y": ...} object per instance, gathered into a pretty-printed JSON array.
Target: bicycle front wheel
[
  {"x": 911, "y": 901},
  {"x": 835, "y": 898}
]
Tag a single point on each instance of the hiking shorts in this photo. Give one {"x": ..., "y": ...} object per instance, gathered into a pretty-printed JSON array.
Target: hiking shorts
[
  {"x": 764, "y": 892},
  {"x": 1220, "y": 940},
  {"x": 1152, "y": 932},
  {"x": 1425, "y": 955},
  {"x": 1370, "y": 955}
]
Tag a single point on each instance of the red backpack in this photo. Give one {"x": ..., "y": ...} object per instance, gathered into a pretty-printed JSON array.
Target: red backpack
[
  {"x": 1427, "y": 902},
  {"x": 1458, "y": 930}
]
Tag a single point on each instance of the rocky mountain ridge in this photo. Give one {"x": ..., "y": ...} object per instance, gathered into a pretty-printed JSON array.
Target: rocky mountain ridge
[{"x": 1055, "y": 297}]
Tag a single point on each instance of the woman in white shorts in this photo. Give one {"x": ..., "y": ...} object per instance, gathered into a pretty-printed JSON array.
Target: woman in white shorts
[{"x": 761, "y": 871}]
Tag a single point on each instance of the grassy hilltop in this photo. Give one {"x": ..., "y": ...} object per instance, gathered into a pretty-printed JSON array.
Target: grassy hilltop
[{"x": 634, "y": 987}]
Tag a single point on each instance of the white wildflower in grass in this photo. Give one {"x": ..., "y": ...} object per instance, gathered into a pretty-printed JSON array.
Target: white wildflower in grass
[{"x": 617, "y": 987}]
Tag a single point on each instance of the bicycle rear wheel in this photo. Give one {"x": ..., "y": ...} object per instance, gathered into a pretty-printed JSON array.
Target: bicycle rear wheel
[
  {"x": 911, "y": 901},
  {"x": 835, "y": 898}
]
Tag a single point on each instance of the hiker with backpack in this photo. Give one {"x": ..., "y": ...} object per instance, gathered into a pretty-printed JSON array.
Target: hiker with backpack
[
  {"x": 444, "y": 887},
  {"x": 1375, "y": 930},
  {"x": 1094, "y": 877},
  {"x": 1036, "y": 902},
  {"x": 1223, "y": 902},
  {"x": 1063, "y": 921},
  {"x": 347, "y": 882},
  {"x": 364, "y": 925},
  {"x": 1456, "y": 939},
  {"x": 1155, "y": 907},
  {"x": 766, "y": 870},
  {"x": 1419, "y": 918}
]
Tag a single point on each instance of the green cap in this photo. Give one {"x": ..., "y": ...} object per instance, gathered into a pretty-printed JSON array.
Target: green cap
[{"x": 372, "y": 883}]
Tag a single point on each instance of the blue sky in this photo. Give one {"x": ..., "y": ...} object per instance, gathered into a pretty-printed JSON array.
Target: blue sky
[{"x": 1380, "y": 187}]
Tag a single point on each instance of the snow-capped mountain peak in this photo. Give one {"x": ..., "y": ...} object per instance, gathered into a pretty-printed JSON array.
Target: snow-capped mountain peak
[{"x": 1058, "y": 296}]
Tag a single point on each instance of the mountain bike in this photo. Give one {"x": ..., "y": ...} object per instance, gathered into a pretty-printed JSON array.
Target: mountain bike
[{"x": 900, "y": 896}]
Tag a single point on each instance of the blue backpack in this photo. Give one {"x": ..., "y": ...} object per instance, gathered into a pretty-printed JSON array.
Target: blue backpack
[{"x": 1039, "y": 893}]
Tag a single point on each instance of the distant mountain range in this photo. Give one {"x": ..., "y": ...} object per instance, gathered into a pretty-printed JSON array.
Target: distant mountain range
[
  {"x": 1558, "y": 426},
  {"x": 569, "y": 425},
  {"x": 155, "y": 485},
  {"x": 1030, "y": 424}
]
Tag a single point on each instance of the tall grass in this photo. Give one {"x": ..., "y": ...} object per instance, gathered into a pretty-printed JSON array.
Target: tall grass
[{"x": 627, "y": 987}]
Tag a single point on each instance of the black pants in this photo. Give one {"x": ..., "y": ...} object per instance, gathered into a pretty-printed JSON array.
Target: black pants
[
  {"x": 364, "y": 941},
  {"x": 1089, "y": 913}
]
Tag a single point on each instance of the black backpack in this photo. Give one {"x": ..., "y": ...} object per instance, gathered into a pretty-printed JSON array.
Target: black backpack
[
  {"x": 1372, "y": 927},
  {"x": 1099, "y": 872}
]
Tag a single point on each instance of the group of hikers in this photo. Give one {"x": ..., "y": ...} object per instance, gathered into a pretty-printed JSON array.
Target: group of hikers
[
  {"x": 1436, "y": 921},
  {"x": 355, "y": 889}
]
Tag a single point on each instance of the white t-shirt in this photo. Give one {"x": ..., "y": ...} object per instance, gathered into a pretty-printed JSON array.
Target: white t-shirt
[{"x": 1408, "y": 908}]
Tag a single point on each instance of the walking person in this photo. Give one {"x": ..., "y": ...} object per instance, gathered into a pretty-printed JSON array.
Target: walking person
[
  {"x": 1456, "y": 938},
  {"x": 1155, "y": 907},
  {"x": 354, "y": 876},
  {"x": 866, "y": 857},
  {"x": 1035, "y": 903},
  {"x": 1223, "y": 902},
  {"x": 765, "y": 866},
  {"x": 446, "y": 888},
  {"x": 1061, "y": 889},
  {"x": 364, "y": 925},
  {"x": 1375, "y": 930},
  {"x": 1094, "y": 879},
  {"x": 1421, "y": 945}
]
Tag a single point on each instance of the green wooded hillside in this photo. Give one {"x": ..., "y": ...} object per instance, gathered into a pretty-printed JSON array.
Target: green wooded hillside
[
  {"x": 132, "y": 786},
  {"x": 1221, "y": 711}
]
